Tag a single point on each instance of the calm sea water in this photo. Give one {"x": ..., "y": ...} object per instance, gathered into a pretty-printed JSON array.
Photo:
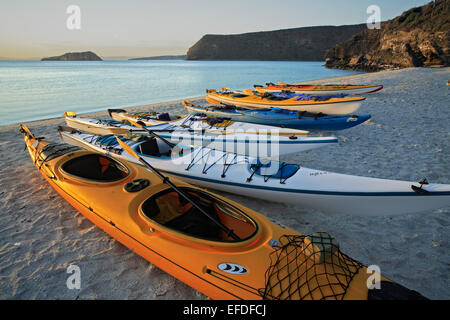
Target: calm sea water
[{"x": 33, "y": 90}]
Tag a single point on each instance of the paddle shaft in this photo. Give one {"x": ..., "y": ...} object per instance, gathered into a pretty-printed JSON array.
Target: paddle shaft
[
  {"x": 142, "y": 126},
  {"x": 166, "y": 180}
]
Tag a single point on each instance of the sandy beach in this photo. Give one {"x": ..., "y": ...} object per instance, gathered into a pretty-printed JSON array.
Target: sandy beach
[{"x": 408, "y": 138}]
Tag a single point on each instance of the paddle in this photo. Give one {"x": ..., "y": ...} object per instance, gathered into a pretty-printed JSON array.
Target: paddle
[
  {"x": 141, "y": 125},
  {"x": 166, "y": 180}
]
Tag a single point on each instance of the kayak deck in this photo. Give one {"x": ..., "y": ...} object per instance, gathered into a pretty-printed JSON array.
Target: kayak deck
[{"x": 287, "y": 183}]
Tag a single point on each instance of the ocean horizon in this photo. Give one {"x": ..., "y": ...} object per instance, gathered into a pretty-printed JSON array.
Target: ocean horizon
[{"x": 36, "y": 90}]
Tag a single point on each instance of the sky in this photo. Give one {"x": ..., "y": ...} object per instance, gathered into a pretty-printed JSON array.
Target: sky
[{"x": 116, "y": 29}]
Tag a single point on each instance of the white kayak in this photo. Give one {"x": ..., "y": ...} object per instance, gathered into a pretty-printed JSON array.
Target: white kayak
[
  {"x": 211, "y": 124},
  {"x": 275, "y": 181},
  {"x": 259, "y": 144}
]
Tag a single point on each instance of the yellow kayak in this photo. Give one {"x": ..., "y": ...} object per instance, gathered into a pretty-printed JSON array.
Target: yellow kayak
[{"x": 229, "y": 252}]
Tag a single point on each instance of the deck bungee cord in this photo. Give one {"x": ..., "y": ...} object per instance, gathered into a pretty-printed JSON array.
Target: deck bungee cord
[{"x": 226, "y": 166}]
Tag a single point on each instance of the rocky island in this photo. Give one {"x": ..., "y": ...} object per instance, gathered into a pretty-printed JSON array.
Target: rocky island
[
  {"x": 420, "y": 37},
  {"x": 75, "y": 56},
  {"x": 298, "y": 44}
]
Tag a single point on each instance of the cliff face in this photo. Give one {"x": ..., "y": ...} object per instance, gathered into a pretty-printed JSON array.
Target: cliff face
[
  {"x": 308, "y": 44},
  {"x": 420, "y": 37},
  {"x": 75, "y": 56}
]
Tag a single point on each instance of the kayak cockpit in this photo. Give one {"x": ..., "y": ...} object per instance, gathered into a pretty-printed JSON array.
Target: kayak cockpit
[
  {"x": 171, "y": 210},
  {"x": 154, "y": 147},
  {"x": 95, "y": 167}
]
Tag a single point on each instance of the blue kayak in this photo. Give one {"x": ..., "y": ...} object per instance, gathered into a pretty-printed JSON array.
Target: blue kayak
[{"x": 280, "y": 117}]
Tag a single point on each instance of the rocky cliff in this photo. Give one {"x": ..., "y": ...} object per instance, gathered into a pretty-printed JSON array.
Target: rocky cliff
[
  {"x": 308, "y": 44},
  {"x": 75, "y": 56},
  {"x": 420, "y": 37}
]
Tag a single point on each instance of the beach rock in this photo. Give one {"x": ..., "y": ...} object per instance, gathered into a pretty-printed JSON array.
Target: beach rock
[
  {"x": 75, "y": 56},
  {"x": 301, "y": 44},
  {"x": 420, "y": 37}
]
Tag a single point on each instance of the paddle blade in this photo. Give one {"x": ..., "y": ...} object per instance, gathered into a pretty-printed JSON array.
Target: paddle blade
[
  {"x": 138, "y": 124},
  {"x": 25, "y": 129},
  {"x": 127, "y": 148}
]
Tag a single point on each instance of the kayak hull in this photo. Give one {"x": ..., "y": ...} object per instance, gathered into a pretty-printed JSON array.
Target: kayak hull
[
  {"x": 332, "y": 106},
  {"x": 283, "y": 118},
  {"x": 268, "y": 147},
  {"x": 351, "y": 89}
]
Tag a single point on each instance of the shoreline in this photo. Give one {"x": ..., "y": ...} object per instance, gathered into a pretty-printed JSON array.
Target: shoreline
[
  {"x": 406, "y": 139},
  {"x": 86, "y": 100},
  {"x": 176, "y": 101},
  {"x": 157, "y": 104},
  {"x": 103, "y": 113}
]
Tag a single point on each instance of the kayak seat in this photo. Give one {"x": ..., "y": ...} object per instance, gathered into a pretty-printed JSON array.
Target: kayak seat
[
  {"x": 95, "y": 167},
  {"x": 149, "y": 147},
  {"x": 195, "y": 223},
  {"x": 163, "y": 117},
  {"x": 172, "y": 211}
]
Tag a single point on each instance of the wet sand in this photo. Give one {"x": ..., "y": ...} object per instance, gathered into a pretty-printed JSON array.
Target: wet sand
[{"x": 408, "y": 138}]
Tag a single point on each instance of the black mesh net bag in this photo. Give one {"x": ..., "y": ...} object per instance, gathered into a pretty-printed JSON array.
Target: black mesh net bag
[{"x": 308, "y": 267}]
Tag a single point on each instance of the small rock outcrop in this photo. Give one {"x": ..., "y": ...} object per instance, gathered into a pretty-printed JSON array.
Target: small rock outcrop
[{"x": 75, "y": 56}]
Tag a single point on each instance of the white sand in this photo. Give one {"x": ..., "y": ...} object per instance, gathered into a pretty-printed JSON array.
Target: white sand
[{"x": 407, "y": 138}]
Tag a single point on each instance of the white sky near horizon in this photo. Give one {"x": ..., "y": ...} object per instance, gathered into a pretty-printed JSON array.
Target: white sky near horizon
[{"x": 139, "y": 28}]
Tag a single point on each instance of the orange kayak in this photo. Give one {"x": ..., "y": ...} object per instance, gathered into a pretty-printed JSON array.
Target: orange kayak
[
  {"x": 257, "y": 258},
  {"x": 320, "y": 88},
  {"x": 252, "y": 100}
]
